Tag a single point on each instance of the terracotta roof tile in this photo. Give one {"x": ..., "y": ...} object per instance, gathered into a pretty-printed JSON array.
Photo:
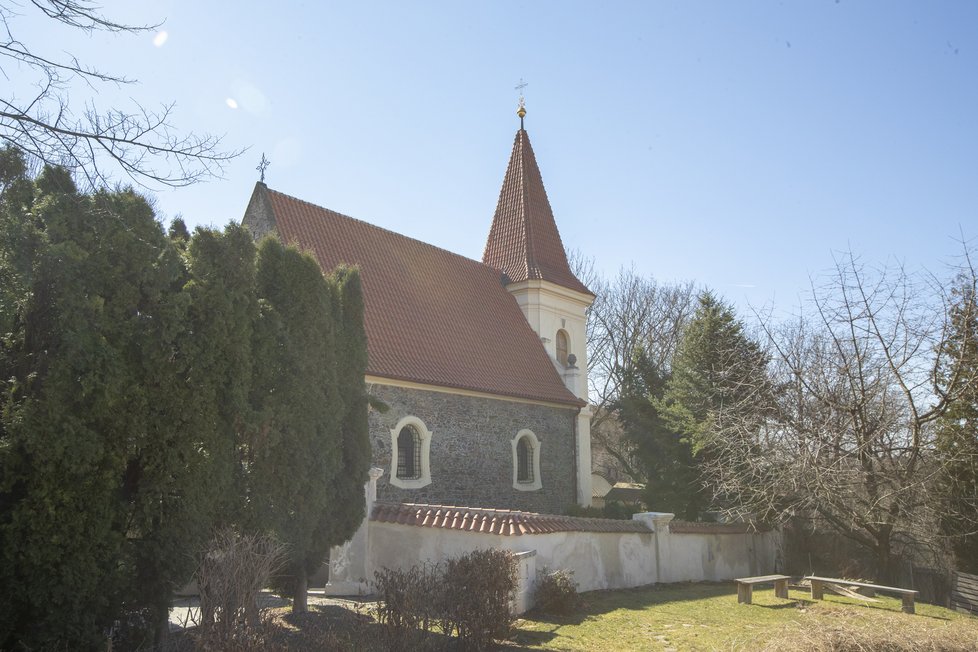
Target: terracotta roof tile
[
  {"x": 495, "y": 521},
  {"x": 524, "y": 241},
  {"x": 431, "y": 316}
]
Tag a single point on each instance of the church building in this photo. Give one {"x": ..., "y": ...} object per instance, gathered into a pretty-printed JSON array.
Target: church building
[{"x": 482, "y": 364}]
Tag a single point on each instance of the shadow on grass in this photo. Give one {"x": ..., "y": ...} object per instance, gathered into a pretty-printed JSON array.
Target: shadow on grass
[
  {"x": 528, "y": 640},
  {"x": 598, "y": 603},
  {"x": 789, "y": 603}
]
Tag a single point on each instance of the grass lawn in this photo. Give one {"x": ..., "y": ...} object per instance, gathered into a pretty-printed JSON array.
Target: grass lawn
[
  {"x": 702, "y": 616},
  {"x": 706, "y": 616}
]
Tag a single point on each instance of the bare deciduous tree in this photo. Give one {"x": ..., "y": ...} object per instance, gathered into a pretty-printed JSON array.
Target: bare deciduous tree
[
  {"x": 89, "y": 140},
  {"x": 859, "y": 383},
  {"x": 629, "y": 312}
]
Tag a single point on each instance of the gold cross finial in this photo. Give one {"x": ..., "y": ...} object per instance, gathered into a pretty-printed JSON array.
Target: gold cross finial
[
  {"x": 262, "y": 166},
  {"x": 521, "y": 111}
]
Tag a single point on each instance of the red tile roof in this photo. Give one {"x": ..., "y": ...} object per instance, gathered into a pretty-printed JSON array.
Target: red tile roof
[
  {"x": 495, "y": 521},
  {"x": 523, "y": 240},
  {"x": 431, "y": 316}
]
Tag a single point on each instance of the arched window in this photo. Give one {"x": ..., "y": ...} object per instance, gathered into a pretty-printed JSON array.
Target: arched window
[
  {"x": 526, "y": 461},
  {"x": 408, "y": 454},
  {"x": 562, "y": 347},
  {"x": 410, "y": 449}
]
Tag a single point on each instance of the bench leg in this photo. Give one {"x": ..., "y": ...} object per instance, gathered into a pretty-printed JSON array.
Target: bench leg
[
  {"x": 817, "y": 590},
  {"x": 744, "y": 592},
  {"x": 908, "y": 603},
  {"x": 781, "y": 588}
]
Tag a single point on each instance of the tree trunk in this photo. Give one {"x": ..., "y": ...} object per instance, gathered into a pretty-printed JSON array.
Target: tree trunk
[
  {"x": 885, "y": 570},
  {"x": 300, "y": 602},
  {"x": 161, "y": 628}
]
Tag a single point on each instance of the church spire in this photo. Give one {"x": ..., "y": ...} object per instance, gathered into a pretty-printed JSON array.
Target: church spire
[{"x": 523, "y": 241}]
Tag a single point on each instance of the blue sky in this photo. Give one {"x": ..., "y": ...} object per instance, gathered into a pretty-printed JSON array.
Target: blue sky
[{"x": 738, "y": 144}]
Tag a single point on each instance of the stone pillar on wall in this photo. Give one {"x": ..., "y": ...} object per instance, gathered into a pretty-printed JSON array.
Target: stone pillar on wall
[
  {"x": 582, "y": 432},
  {"x": 526, "y": 571},
  {"x": 658, "y": 522},
  {"x": 350, "y": 567}
]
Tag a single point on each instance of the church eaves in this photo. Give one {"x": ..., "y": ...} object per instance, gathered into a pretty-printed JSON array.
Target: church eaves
[{"x": 523, "y": 241}]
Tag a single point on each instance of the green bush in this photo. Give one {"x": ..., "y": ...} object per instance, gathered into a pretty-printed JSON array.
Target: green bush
[{"x": 613, "y": 510}]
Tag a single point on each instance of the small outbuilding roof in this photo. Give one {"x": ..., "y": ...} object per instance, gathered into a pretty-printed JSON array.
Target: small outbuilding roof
[{"x": 626, "y": 492}]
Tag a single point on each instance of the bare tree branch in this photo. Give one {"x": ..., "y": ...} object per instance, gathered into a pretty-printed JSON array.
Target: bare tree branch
[
  {"x": 629, "y": 313},
  {"x": 859, "y": 384},
  {"x": 97, "y": 142}
]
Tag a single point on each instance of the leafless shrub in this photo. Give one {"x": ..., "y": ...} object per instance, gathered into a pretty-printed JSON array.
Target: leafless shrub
[
  {"x": 408, "y": 603},
  {"x": 556, "y": 592},
  {"x": 476, "y": 603},
  {"x": 467, "y": 597},
  {"x": 232, "y": 572}
]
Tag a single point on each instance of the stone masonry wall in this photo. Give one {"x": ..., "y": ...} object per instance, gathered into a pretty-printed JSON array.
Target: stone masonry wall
[{"x": 471, "y": 455}]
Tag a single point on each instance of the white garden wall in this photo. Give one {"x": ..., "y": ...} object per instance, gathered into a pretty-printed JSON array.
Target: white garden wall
[{"x": 651, "y": 552}]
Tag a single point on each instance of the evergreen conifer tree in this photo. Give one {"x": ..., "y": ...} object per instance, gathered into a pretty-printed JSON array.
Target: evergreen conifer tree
[
  {"x": 88, "y": 449},
  {"x": 295, "y": 451},
  {"x": 718, "y": 373},
  {"x": 957, "y": 438},
  {"x": 666, "y": 456},
  {"x": 346, "y": 508},
  {"x": 124, "y": 368}
]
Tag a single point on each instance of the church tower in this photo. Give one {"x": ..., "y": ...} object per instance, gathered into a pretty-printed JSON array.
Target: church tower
[{"x": 525, "y": 245}]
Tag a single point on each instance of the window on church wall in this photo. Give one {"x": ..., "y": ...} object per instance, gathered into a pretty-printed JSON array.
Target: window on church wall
[
  {"x": 408, "y": 454},
  {"x": 410, "y": 450},
  {"x": 526, "y": 461},
  {"x": 562, "y": 347}
]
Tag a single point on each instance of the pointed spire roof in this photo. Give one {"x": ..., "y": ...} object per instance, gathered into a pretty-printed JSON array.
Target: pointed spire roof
[{"x": 523, "y": 241}]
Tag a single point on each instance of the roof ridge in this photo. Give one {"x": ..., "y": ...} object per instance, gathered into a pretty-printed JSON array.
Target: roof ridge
[{"x": 428, "y": 245}]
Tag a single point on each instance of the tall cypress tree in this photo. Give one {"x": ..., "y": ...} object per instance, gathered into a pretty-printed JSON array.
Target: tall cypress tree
[
  {"x": 78, "y": 410},
  {"x": 346, "y": 508},
  {"x": 295, "y": 452},
  {"x": 124, "y": 373},
  {"x": 196, "y": 363}
]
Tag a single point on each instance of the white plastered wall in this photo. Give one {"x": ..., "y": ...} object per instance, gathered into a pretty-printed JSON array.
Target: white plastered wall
[
  {"x": 600, "y": 560},
  {"x": 549, "y": 307}
]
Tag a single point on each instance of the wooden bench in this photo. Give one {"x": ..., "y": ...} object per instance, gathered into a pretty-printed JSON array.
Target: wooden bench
[
  {"x": 818, "y": 589},
  {"x": 745, "y": 586}
]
